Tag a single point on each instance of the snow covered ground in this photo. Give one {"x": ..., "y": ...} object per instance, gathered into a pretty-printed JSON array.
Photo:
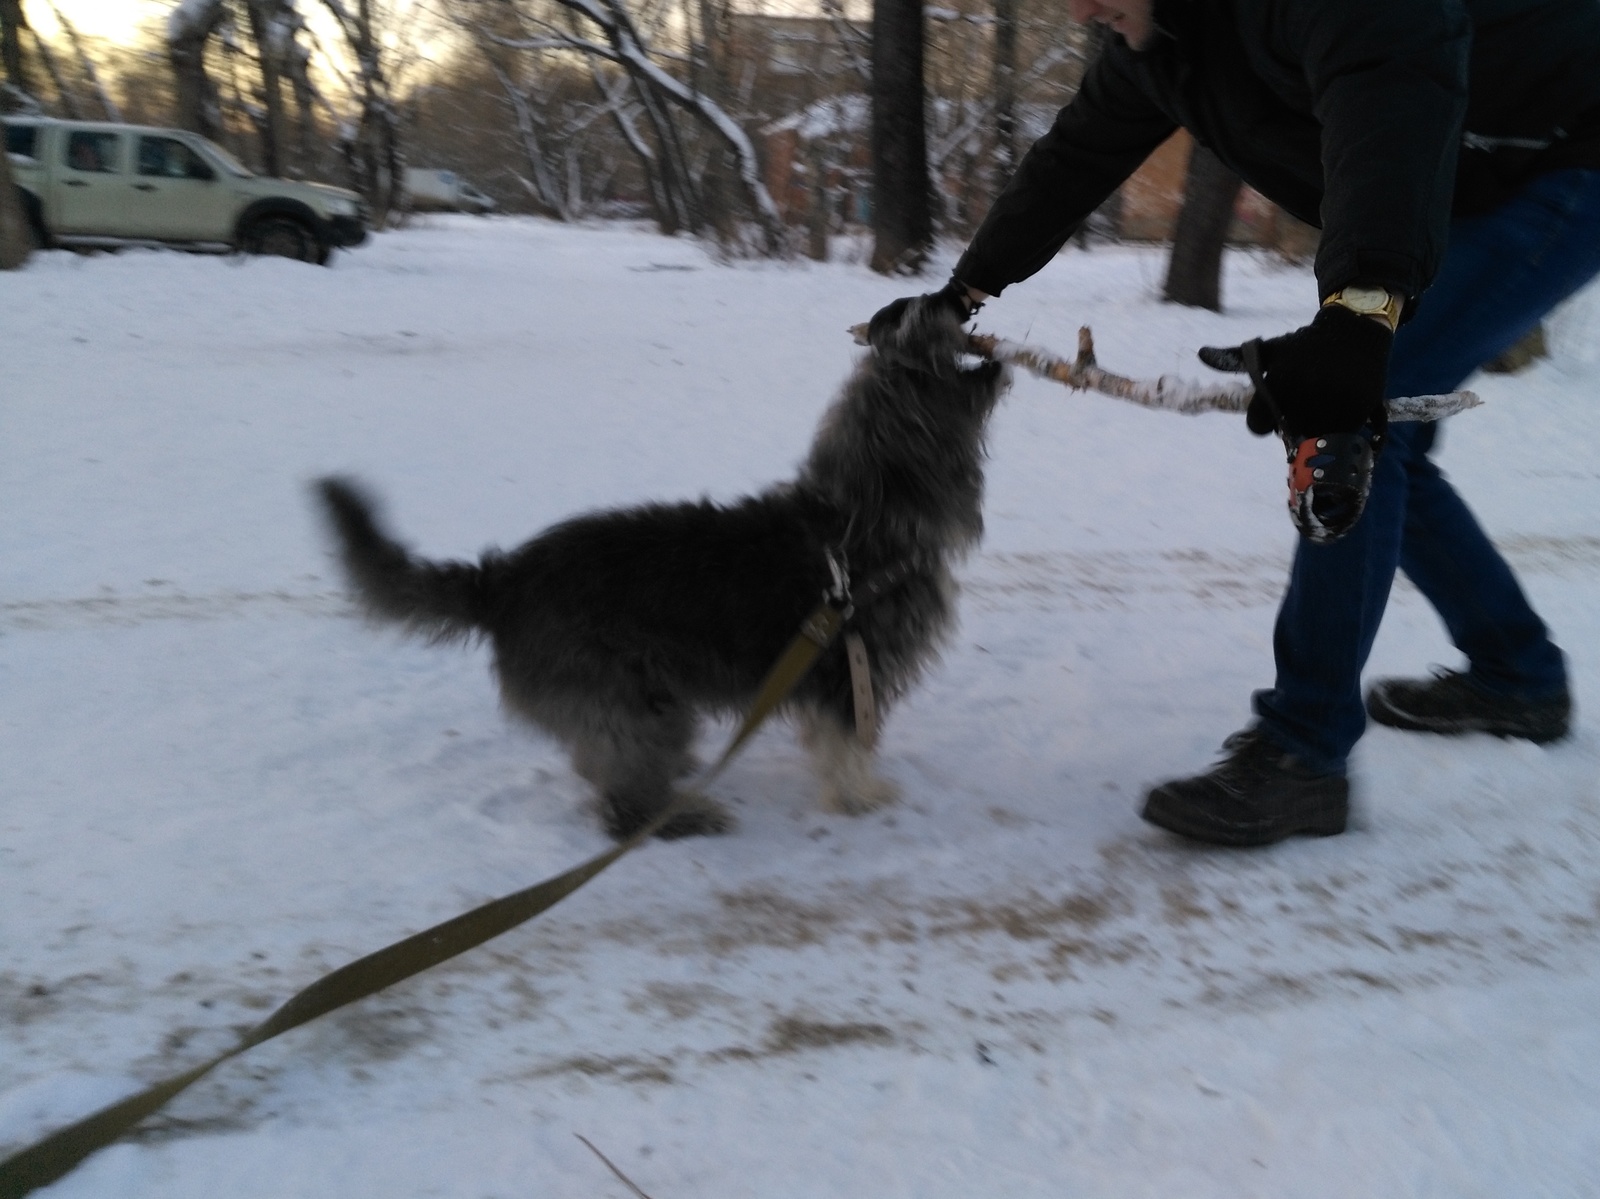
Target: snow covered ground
[{"x": 216, "y": 782}]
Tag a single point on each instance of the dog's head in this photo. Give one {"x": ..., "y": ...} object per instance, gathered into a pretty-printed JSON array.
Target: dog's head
[
  {"x": 919, "y": 333},
  {"x": 901, "y": 450},
  {"x": 920, "y": 349}
]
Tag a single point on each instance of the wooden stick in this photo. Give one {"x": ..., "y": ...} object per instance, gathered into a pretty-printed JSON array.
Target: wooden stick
[
  {"x": 1172, "y": 393},
  {"x": 1169, "y": 392},
  {"x": 626, "y": 1181}
]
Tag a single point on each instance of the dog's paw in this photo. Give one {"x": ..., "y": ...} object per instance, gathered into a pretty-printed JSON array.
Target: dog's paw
[
  {"x": 697, "y": 816},
  {"x": 860, "y": 796},
  {"x": 694, "y": 815}
]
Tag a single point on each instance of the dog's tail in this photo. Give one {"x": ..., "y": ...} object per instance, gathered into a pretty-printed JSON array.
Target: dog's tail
[{"x": 443, "y": 601}]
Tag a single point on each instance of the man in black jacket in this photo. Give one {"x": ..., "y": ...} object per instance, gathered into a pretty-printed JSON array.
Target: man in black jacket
[{"x": 1450, "y": 152}]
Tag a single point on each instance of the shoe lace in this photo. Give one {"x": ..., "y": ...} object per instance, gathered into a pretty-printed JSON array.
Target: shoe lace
[
  {"x": 1236, "y": 743},
  {"x": 1246, "y": 755},
  {"x": 1452, "y": 685}
]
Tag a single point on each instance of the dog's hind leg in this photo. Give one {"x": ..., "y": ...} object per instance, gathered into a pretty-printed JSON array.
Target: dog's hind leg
[
  {"x": 633, "y": 759},
  {"x": 846, "y": 767}
]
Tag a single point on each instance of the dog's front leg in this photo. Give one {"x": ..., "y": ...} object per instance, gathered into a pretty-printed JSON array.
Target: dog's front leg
[{"x": 845, "y": 766}]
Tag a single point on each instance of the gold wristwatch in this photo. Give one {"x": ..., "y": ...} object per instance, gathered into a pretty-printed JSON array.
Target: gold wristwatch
[{"x": 1370, "y": 301}]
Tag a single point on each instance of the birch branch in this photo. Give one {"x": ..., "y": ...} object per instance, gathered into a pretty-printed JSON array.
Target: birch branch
[
  {"x": 1169, "y": 392},
  {"x": 1179, "y": 395}
]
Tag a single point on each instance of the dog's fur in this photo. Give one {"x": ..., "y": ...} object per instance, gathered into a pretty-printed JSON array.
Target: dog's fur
[{"x": 613, "y": 631}]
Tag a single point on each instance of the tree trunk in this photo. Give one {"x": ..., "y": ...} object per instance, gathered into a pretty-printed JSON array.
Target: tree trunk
[
  {"x": 819, "y": 219},
  {"x": 1005, "y": 91},
  {"x": 269, "y": 32},
  {"x": 1194, "y": 271},
  {"x": 198, "y": 108},
  {"x": 671, "y": 166},
  {"x": 16, "y": 238},
  {"x": 902, "y": 201},
  {"x": 12, "y": 23},
  {"x": 372, "y": 151}
]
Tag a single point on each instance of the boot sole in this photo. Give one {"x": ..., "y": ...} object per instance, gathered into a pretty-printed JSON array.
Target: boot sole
[
  {"x": 1173, "y": 817},
  {"x": 1396, "y": 718}
]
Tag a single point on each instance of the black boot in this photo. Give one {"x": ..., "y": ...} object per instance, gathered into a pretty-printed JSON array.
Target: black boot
[
  {"x": 1257, "y": 794},
  {"x": 1451, "y": 702}
]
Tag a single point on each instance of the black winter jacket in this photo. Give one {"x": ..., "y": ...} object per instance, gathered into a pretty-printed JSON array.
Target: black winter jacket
[{"x": 1366, "y": 118}]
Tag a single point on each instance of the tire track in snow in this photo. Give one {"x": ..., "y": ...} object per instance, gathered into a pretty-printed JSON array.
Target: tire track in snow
[
  {"x": 1085, "y": 581},
  {"x": 661, "y": 987},
  {"x": 128, "y": 610}
]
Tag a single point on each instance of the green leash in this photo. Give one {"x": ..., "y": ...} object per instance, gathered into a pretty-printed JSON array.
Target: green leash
[{"x": 46, "y": 1160}]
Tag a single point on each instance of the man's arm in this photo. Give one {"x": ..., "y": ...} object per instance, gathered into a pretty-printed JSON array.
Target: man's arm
[
  {"x": 1097, "y": 141},
  {"x": 1389, "y": 85}
]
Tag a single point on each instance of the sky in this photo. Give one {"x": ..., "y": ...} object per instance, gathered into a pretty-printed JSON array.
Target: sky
[
  {"x": 120, "y": 21},
  {"x": 115, "y": 20}
]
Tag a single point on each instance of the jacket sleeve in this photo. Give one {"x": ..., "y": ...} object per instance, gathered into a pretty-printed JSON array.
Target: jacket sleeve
[
  {"x": 1388, "y": 82},
  {"x": 1097, "y": 141}
]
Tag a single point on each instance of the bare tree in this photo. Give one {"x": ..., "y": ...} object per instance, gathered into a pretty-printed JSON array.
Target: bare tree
[
  {"x": 86, "y": 64},
  {"x": 373, "y": 145},
  {"x": 1194, "y": 270},
  {"x": 854, "y": 42},
  {"x": 58, "y": 80},
  {"x": 902, "y": 193},
  {"x": 672, "y": 209},
  {"x": 607, "y": 31},
  {"x": 543, "y": 185},
  {"x": 625, "y": 46}
]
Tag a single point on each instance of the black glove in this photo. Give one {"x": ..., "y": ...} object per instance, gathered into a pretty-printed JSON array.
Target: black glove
[
  {"x": 1321, "y": 389},
  {"x": 1326, "y": 377}
]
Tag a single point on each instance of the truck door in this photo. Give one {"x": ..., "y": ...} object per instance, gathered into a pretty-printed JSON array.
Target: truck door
[
  {"x": 176, "y": 194},
  {"x": 92, "y": 183}
]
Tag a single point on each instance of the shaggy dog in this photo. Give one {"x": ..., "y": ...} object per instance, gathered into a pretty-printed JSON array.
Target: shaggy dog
[{"x": 614, "y": 631}]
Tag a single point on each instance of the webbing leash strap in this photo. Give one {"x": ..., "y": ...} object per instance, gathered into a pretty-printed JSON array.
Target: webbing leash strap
[
  {"x": 49, "y": 1159},
  {"x": 816, "y": 634},
  {"x": 861, "y": 690}
]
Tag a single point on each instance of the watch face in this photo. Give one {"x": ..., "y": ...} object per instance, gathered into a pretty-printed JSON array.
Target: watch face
[{"x": 1365, "y": 299}]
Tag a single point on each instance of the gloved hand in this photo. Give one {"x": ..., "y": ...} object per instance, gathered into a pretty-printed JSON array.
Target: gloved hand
[
  {"x": 1321, "y": 389},
  {"x": 1326, "y": 377}
]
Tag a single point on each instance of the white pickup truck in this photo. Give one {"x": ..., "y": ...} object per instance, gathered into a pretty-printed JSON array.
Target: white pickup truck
[
  {"x": 429, "y": 189},
  {"x": 97, "y": 183}
]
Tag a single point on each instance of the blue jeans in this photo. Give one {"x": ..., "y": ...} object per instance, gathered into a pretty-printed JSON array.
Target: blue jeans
[{"x": 1502, "y": 272}]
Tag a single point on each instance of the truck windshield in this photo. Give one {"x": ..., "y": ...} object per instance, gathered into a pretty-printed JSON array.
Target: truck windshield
[{"x": 231, "y": 164}]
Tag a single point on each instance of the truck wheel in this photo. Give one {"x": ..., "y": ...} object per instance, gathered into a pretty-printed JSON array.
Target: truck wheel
[{"x": 281, "y": 237}]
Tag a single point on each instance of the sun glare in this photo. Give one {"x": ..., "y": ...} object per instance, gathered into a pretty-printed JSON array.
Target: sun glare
[{"x": 117, "y": 21}]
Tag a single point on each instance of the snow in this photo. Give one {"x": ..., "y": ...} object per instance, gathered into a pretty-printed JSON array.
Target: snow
[{"x": 218, "y": 783}]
